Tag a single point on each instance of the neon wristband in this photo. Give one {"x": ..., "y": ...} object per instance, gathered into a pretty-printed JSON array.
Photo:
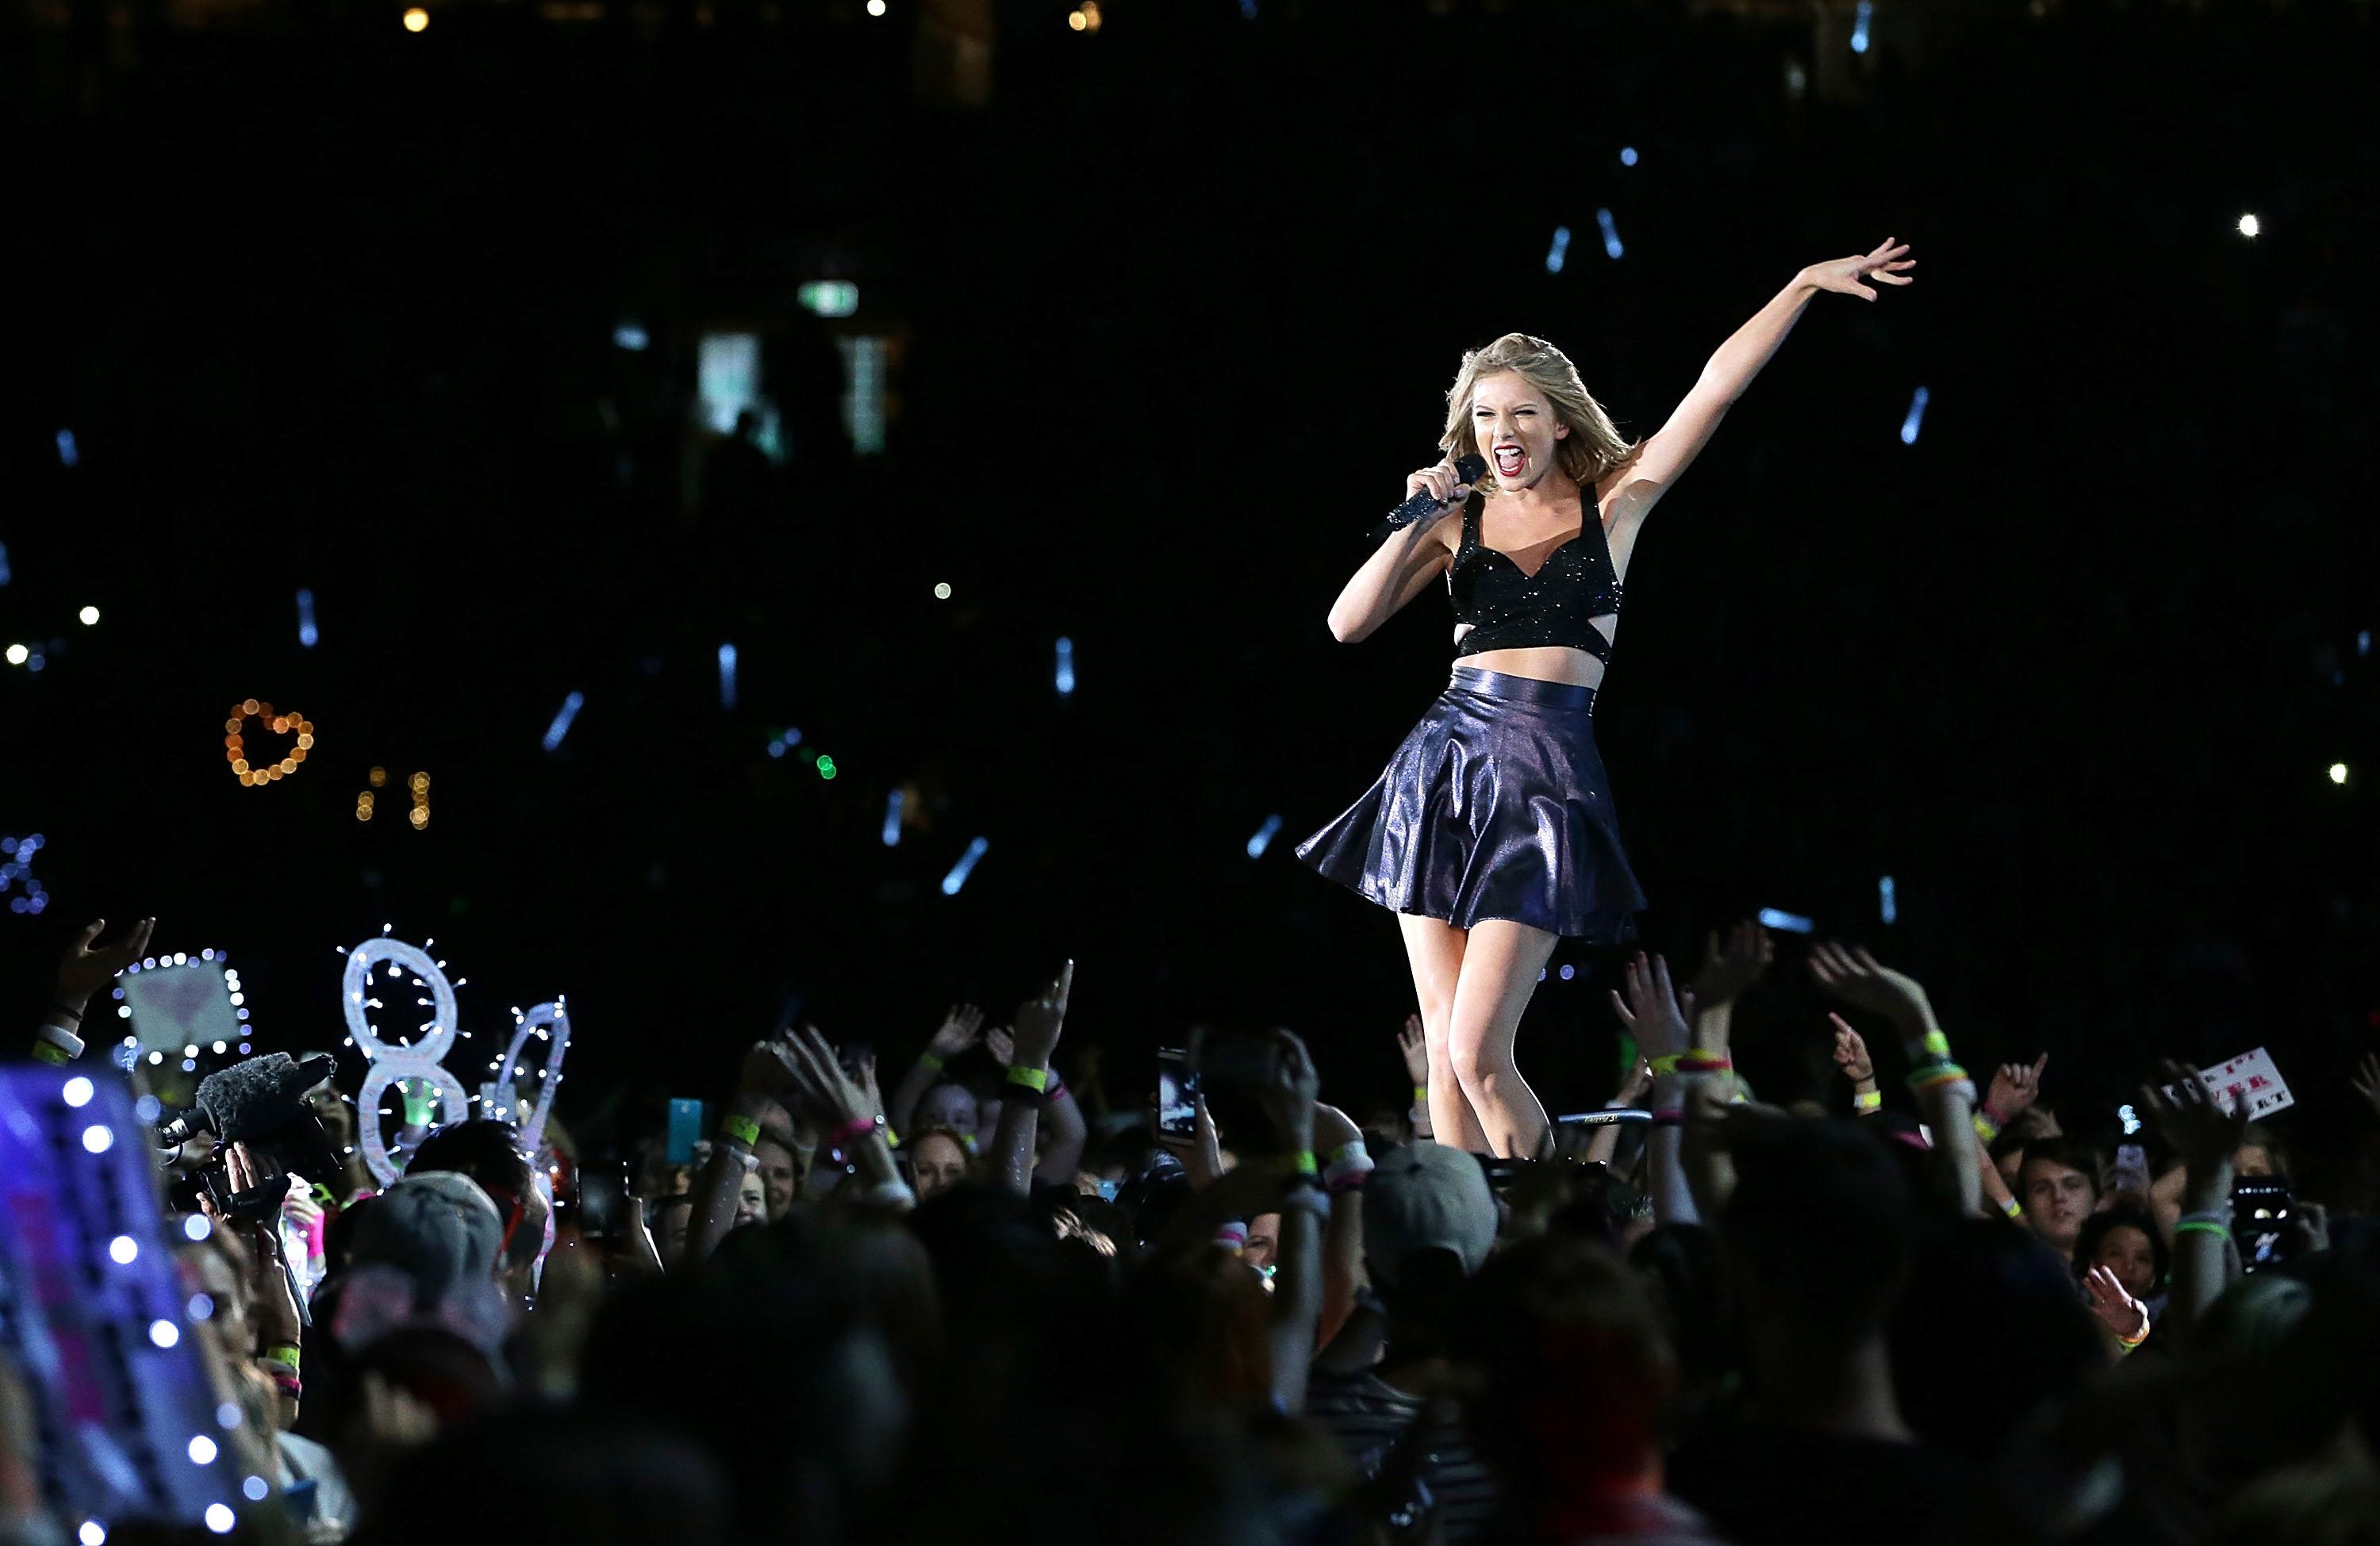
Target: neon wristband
[
  {"x": 50, "y": 1052},
  {"x": 739, "y": 1130},
  {"x": 1985, "y": 1128},
  {"x": 2011, "y": 1207},
  {"x": 854, "y": 1130},
  {"x": 2202, "y": 1227},
  {"x": 1421, "y": 1094},
  {"x": 1306, "y": 1164},
  {"x": 928, "y": 1061},
  {"x": 284, "y": 1354},
  {"x": 1231, "y": 1235},
  {"x": 2128, "y": 1343},
  {"x": 1939, "y": 1044},
  {"x": 1867, "y": 1100},
  {"x": 1034, "y": 1079}
]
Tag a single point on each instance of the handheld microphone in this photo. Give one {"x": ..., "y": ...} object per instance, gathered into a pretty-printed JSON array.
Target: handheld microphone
[{"x": 1470, "y": 469}]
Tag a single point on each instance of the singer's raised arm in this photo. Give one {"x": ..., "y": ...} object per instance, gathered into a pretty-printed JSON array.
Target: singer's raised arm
[
  {"x": 1402, "y": 567},
  {"x": 1630, "y": 491}
]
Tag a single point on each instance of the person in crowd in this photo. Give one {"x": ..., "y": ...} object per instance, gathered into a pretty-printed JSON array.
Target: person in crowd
[
  {"x": 2058, "y": 1184},
  {"x": 1388, "y": 1395},
  {"x": 937, "y": 1161}
]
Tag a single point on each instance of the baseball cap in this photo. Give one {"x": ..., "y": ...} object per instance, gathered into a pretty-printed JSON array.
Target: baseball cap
[
  {"x": 439, "y": 1227},
  {"x": 1427, "y": 1197}
]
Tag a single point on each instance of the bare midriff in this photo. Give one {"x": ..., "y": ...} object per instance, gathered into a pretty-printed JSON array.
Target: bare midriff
[{"x": 1544, "y": 662}]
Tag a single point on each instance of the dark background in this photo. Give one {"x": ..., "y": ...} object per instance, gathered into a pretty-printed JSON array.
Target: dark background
[{"x": 328, "y": 304}]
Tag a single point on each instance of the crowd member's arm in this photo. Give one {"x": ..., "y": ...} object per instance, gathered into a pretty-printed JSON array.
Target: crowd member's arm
[
  {"x": 1339, "y": 1147},
  {"x": 1852, "y": 1056},
  {"x": 2013, "y": 1090},
  {"x": 2206, "y": 1137},
  {"x": 765, "y": 1074},
  {"x": 1061, "y": 1157},
  {"x": 1603, "y": 1145},
  {"x": 1653, "y": 1012},
  {"x": 279, "y": 1327},
  {"x": 1040, "y": 1023},
  {"x": 83, "y": 971},
  {"x": 846, "y": 1114},
  {"x": 1297, "y": 1285},
  {"x": 1201, "y": 1154},
  {"x": 1946, "y": 1098},
  {"x": 1997, "y": 1199},
  {"x": 1413, "y": 1042},
  {"x": 1730, "y": 967},
  {"x": 958, "y": 1032}
]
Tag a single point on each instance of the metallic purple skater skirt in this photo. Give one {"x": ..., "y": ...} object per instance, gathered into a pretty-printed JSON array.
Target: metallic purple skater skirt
[{"x": 1496, "y": 806}]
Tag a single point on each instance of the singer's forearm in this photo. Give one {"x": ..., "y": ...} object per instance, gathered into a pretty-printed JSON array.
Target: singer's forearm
[
  {"x": 1733, "y": 365},
  {"x": 1393, "y": 575}
]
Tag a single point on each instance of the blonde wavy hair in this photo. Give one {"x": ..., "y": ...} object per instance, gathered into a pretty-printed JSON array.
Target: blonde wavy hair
[{"x": 1594, "y": 447}]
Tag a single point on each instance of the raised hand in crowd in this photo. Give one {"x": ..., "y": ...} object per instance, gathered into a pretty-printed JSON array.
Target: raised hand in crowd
[
  {"x": 2365, "y": 1081},
  {"x": 1413, "y": 1043},
  {"x": 2014, "y": 1089},
  {"x": 1851, "y": 1055},
  {"x": 1659, "y": 1017},
  {"x": 85, "y": 968},
  {"x": 1068, "y": 1134},
  {"x": 1200, "y": 1151},
  {"x": 2125, "y": 1317},
  {"x": 960, "y": 1028},
  {"x": 1040, "y": 1023},
  {"x": 1946, "y": 1096},
  {"x": 2187, "y": 1115},
  {"x": 1730, "y": 965}
]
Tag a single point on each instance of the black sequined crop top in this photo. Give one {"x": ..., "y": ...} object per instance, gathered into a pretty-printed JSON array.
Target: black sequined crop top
[{"x": 1510, "y": 610}]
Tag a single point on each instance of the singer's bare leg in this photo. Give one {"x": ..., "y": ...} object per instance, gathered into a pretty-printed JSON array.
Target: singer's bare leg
[
  {"x": 1501, "y": 960},
  {"x": 1435, "y": 947}
]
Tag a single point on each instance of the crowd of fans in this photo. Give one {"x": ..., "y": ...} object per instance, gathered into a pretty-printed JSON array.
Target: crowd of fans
[{"x": 1000, "y": 1305}]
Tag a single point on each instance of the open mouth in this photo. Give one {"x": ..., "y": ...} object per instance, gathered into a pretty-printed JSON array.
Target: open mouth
[{"x": 1510, "y": 459}]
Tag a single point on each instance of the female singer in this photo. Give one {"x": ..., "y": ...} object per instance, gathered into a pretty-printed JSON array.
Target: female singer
[{"x": 1491, "y": 833}]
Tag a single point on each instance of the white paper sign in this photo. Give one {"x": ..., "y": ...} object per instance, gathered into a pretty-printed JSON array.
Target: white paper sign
[{"x": 2252, "y": 1078}]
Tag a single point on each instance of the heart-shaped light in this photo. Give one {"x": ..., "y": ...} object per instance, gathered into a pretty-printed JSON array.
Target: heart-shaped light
[{"x": 258, "y": 774}]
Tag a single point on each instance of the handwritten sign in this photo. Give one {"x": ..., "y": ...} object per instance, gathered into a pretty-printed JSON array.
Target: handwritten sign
[{"x": 2250, "y": 1078}]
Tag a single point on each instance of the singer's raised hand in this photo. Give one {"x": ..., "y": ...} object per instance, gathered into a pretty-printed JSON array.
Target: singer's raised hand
[
  {"x": 1888, "y": 264},
  {"x": 1442, "y": 483}
]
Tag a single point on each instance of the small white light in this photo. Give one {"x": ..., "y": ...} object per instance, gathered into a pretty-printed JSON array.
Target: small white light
[
  {"x": 2338, "y": 772},
  {"x": 191, "y": 1050},
  {"x": 254, "y": 1489},
  {"x": 875, "y": 7},
  {"x": 2250, "y": 226},
  {"x": 154, "y": 1057},
  {"x": 97, "y": 1140},
  {"x": 17, "y": 654},
  {"x": 77, "y": 1092},
  {"x": 1568, "y": 972},
  {"x": 92, "y": 1533},
  {"x": 219, "y": 1517},
  {"x": 123, "y": 1251},
  {"x": 942, "y": 590},
  {"x": 201, "y": 1307},
  {"x": 164, "y": 1333},
  {"x": 90, "y": 615},
  {"x": 197, "y": 1227},
  {"x": 202, "y": 1449},
  {"x": 1628, "y": 155},
  {"x": 228, "y": 1416},
  {"x": 238, "y": 997}
]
